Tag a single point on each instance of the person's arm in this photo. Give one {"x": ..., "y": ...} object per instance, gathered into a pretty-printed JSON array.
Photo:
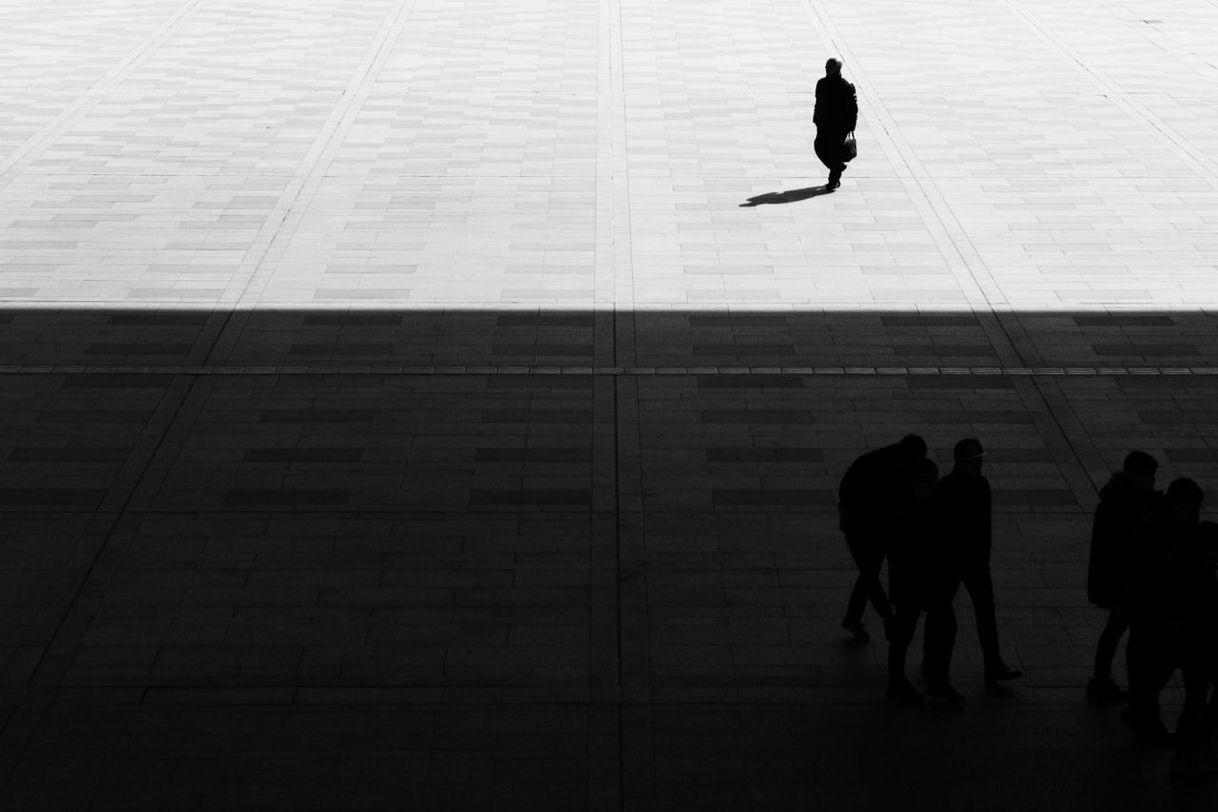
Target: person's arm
[
  {"x": 852, "y": 109},
  {"x": 816, "y": 109}
]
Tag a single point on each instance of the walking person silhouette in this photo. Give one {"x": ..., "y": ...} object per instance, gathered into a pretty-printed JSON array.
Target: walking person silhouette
[
  {"x": 1149, "y": 654},
  {"x": 963, "y": 503},
  {"x": 914, "y": 570},
  {"x": 1195, "y": 646},
  {"x": 869, "y": 501},
  {"x": 1126, "y": 503},
  {"x": 835, "y": 116}
]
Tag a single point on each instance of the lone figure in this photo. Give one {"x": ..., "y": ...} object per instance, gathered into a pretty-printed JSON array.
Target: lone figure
[{"x": 835, "y": 114}]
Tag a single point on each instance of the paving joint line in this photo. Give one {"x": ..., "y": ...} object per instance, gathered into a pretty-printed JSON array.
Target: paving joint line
[
  {"x": 264, "y": 255},
  {"x": 380, "y": 370},
  {"x": 1111, "y": 90},
  {"x": 21, "y": 157}
]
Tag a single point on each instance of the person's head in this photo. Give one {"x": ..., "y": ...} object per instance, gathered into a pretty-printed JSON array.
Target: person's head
[
  {"x": 833, "y": 67},
  {"x": 911, "y": 451},
  {"x": 1183, "y": 499},
  {"x": 923, "y": 480},
  {"x": 968, "y": 455},
  {"x": 1140, "y": 468}
]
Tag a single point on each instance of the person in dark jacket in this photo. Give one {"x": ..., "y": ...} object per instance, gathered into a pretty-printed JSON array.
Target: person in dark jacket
[
  {"x": 1126, "y": 503},
  {"x": 1194, "y": 641},
  {"x": 869, "y": 500},
  {"x": 1149, "y": 600},
  {"x": 835, "y": 116},
  {"x": 913, "y": 567},
  {"x": 962, "y": 505}
]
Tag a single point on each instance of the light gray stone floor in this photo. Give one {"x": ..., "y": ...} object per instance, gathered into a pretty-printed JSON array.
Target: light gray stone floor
[{"x": 439, "y": 404}]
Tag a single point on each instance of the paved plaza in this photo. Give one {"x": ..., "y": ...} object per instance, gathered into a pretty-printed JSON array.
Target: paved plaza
[{"x": 440, "y": 404}]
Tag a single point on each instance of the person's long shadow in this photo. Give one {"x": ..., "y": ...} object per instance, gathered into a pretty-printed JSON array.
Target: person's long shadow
[{"x": 791, "y": 196}]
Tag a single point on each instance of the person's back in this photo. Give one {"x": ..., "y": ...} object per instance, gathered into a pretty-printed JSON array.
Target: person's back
[
  {"x": 913, "y": 553},
  {"x": 1126, "y": 504},
  {"x": 1148, "y": 592},
  {"x": 836, "y": 104},
  {"x": 1194, "y": 595},
  {"x": 962, "y": 503},
  {"x": 866, "y": 488},
  {"x": 869, "y": 496},
  {"x": 1124, "y": 508},
  {"x": 1152, "y": 604}
]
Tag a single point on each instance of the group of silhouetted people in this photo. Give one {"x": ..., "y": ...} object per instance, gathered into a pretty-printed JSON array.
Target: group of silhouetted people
[
  {"x": 935, "y": 533},
  {"x": 1153, "y": 567}
]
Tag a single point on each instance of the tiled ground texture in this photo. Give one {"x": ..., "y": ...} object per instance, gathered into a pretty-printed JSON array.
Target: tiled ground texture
[{"x": 437, "y": 404}]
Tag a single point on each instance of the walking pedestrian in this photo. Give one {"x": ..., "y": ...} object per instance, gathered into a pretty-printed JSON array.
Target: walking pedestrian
[
  {"x": 835, "y": 116},
  {"x": 869, "y": 499},
  {"x": 1195, "y": 637},
  {"x": 913, "y": 585},
  {"x": 963, "y": 506},
  {"x": 1126, "y": 503},
  {"x": 1150, "y": 659}
]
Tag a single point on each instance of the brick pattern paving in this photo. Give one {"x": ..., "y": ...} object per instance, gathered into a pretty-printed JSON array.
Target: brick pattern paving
[{"x": 439, "y": 404}]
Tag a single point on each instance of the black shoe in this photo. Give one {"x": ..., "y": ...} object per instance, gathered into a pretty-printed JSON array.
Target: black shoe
[
  {"x": 945, "y": 693},
  {"x": 903, "y": 691},
  {"x": 1001, "y": 673},
  {"x": 856, "y": 629},
  {"x": 1105, "y": 690}
]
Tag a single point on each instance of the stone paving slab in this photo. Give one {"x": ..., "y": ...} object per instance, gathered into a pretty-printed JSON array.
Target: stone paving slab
[{"x": 439, "y": 403}]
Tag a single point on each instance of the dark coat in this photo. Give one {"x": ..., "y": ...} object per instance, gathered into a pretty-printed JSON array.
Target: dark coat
[
  {"x": 915, "y": 577},
  {"x": 962, "y": 507},
  {"x": 1194, "y": 592},
  {"x": 1149, "y": 590},
  {"x": 870, "y": 494},
  {"x": 1123, "y": 509},
  {"x": 837, "y": 107}
]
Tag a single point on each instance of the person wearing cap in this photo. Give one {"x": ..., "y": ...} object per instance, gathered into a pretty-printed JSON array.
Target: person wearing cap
[
  {"x": 835, "y": 115},
  {"x": 1150, "y": 599},
  {"x": 869, "y": 500},
  {"x": 962, "y": 507},
  {"x": 1126, "y": 503}
]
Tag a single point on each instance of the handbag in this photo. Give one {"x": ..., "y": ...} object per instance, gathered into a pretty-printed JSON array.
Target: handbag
[{"x": 850, "y": 149}]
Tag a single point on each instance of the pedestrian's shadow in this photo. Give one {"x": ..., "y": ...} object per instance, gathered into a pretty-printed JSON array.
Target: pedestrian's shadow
[{"x": 792, "y": 196}]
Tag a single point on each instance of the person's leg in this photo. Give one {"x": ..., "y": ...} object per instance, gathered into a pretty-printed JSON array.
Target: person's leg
[
  {"x": 868, "y": 555},
  {"x": 940, "y": 636},
  {"x": 828, "y": 146},
  {"x": 1189, "y": 728},
  {"x": 905, "y": 621},
  {"x": 857, "y": 602},
  {"x": 904, "y": 624},
  {"x": 1110, "y": 638},
  {"x": 1149, "y": 667},
  {"x": 824, "y": 151},
  {"x": 980, "y": 588},
  {"x": 1102, "y": 687}
]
